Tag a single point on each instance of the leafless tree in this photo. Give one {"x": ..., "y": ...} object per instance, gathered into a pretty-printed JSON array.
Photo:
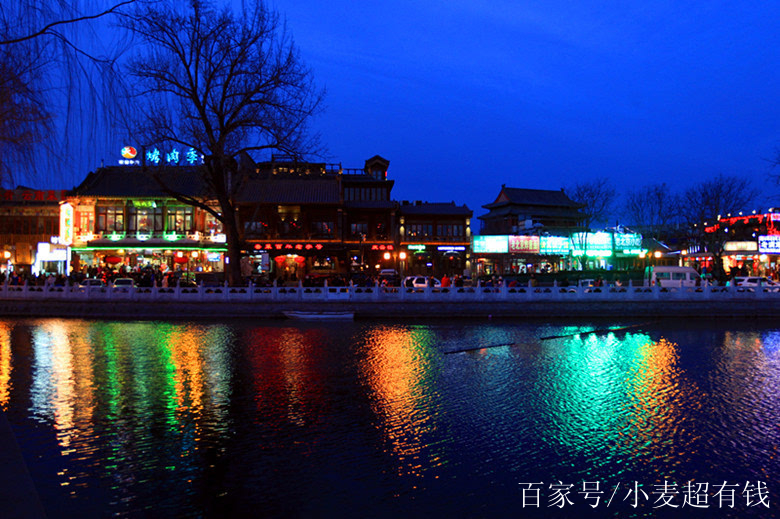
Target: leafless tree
[
  {"x": 597, "y": 198},
  {"x": 226, "y": 84},
  {"x": 706, "y": 202},
  {"x": 55, "y": 77},
  {"x": 652, "y": 210}
]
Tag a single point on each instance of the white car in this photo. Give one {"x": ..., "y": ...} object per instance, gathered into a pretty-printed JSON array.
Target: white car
[
  {"x": 419, "y": 282},
  {"x": 754, "y": 281},
  {"x": 124, "y": 283}
]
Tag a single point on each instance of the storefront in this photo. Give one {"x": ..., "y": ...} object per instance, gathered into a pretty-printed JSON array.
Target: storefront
[
  {"x": 509, "y": 255},
  {"x": 133, "y": 257},
  {"x": 293, "y": 261}
]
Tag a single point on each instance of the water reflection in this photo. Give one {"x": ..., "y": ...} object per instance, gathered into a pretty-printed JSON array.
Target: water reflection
[
  {"x": 5, "y": 364},
  {"x": 309, "y": 419},
  {"x": 398, "y": 365}
]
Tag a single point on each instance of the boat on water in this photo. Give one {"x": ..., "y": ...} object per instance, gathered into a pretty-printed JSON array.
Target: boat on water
[{"x": 319, "y": 316}]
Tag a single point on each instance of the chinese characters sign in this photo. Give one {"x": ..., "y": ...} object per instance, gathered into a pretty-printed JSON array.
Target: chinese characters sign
[
  {"x": 491, "y": 244},
  {"x": 524, "y": 244},
  {"x": 31, "y": 195},
  {"x": 174, "y": 157},
  {"x": 769, "y": 244}
]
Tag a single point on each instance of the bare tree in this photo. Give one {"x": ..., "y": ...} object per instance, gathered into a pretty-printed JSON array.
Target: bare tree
[
  {"x": 705, "y": 203},
  {"x": 55, "y": 77},
  {"x": 597, "y": 198},
  {"x": 225, "y": 84},
  {"x": 652, "y": 210}
]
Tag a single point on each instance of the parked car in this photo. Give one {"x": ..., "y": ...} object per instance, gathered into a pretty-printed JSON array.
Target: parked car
[
  {"x": 587, "y": 284},
  {"x": 751, "y": 282},
  {"x": 124, "y": 283},
  {"x": 419, "y": 282},
  {"x": 92, "y": 282},
  {"x": 390, "y": 276}
]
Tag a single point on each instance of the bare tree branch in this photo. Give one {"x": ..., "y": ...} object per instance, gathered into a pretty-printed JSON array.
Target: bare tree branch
[
  {"x": 47, "y": 29},
  {"x": 225, "y": 84}
]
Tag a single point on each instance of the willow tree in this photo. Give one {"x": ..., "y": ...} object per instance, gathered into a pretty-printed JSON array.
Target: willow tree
[
  {"x": 225, "y": 84},
  {"x": 56, "y": 83}
]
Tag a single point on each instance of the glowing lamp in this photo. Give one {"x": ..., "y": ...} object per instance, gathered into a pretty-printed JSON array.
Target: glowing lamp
[{"x": 387, "y": 255}]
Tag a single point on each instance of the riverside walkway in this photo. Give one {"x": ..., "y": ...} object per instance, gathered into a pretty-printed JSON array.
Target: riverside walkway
[{"x": 390, "y": 302}]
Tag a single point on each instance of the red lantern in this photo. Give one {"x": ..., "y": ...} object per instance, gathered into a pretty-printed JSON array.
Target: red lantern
[
  {"x": 279, "y": 259},
  {"x": 113, "y": 260},
  {"x": 300, "y": 260},
  {"x": 180, "y": 259}
]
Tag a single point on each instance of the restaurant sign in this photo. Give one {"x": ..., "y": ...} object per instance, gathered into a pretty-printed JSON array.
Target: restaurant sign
[
  {"x": 740, "y": 246},
  {"x": 524, "y": 244},
  {"x": 32, "y": 195},
  {"x": 498, "y": 244},
  {"x": 555, "y": 245},
  {"x": 66, "y": 224},
  {"x": 769, "y": 244},
  {"x": 598, "y": 244}
]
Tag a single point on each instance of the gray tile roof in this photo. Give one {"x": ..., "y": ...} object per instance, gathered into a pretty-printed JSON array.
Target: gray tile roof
[
  {"x": 139, "y": 182},
  {"x": 434, "y": 208},
  {"x": 537, "y": 197},
  {"x": 292, "y": 191}
]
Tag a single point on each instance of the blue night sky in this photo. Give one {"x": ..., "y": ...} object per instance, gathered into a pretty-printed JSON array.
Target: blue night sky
[{"x": 462, "y": 96}]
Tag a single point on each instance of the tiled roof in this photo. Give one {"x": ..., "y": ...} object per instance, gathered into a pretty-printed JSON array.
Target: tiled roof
[
  {"x": 139, "y": 182},
  {"x": 532, "y": 212},
  {"x": 513, "y": 195},
  {"x": 292, "y": 191},
  {"x": 425, "y": 208},
  {"x": 377, "y": 204}
]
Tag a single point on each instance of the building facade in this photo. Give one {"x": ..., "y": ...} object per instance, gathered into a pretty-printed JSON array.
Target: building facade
[
  {"x": 29, "y": 231},
  {"x": 122, "y": 218},
  {"x": 435, "y": 238}
]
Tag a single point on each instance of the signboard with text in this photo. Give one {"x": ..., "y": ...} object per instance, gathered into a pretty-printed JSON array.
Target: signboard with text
[
  {"x": 498, "y": 244},
  {"x": 524, "y": 244},
  {"x": 769, "y": 244},
  {"x": 555, "y": 245}
]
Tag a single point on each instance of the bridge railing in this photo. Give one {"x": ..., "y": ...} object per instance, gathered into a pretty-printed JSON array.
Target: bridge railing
[{"x": 326, "y": 294}]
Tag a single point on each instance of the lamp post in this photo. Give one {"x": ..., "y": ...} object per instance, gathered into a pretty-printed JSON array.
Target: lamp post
[{"x": 402, "y": 257}]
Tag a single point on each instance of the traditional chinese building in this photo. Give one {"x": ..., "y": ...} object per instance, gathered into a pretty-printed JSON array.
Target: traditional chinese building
[
  {"x": 29, "y": 230},
  {"x": 436, "y": 237},
  {"x": 527, "y": 230},
  {"x": 531, "y": 212},
  {"x": 316, "y": 219},
  {"x": 121, "y": 216}
]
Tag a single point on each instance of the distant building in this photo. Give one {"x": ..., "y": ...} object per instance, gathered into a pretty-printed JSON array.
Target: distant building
[
  {"x": 531, "y": 211},
  {"x": 29, "y": 231},
  {"x": 436, "y": 237}
]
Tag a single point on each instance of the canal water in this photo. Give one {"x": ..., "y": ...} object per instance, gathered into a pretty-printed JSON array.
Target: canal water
[{"x": 387, "y": 419}]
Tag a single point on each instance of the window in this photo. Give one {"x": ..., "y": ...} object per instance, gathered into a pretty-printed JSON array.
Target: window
[
  {"x": 420, "y": 230},
  {"x": 86, "y": 221},
  {"x": 258, "y": 227},
  {"x": 449, "y": 231},
  {"x": 110, "y": 219},
  {"x": 322, "y": 229},
  {"x": 357, "y": 229},
  {"x": 144, "y": 219},
  {"x": 179, "y": 219},
  {"x": 381, "y": 231}
]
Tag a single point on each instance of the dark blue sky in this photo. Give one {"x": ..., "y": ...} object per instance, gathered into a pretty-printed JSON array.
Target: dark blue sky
[{"x": 462, "y": 96}]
